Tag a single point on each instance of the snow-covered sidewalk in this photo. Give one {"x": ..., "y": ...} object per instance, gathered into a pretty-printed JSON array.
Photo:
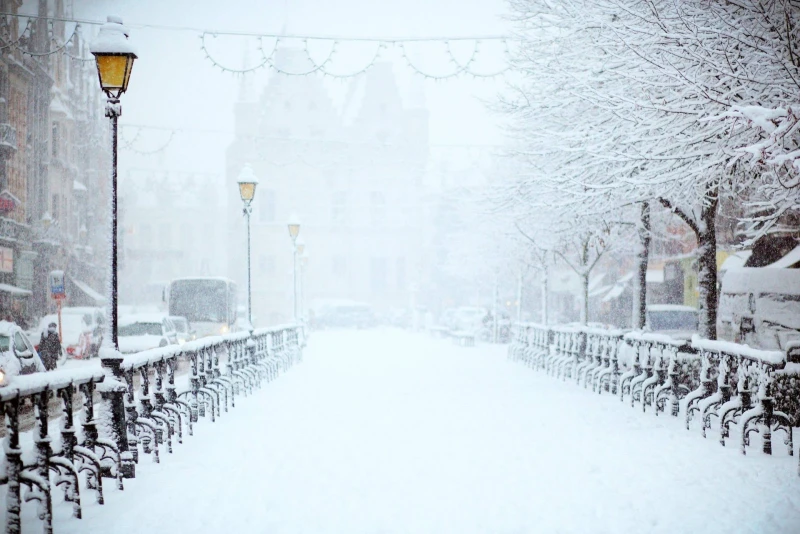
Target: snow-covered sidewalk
[{"x": 390, "y": 432}]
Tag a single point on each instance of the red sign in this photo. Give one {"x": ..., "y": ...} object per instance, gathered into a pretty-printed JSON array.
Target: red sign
[{"x": 7, "y": 202}]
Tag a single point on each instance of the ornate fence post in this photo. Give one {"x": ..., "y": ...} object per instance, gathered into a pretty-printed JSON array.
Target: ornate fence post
[
  {"x": 13, "y": 466},
  {"x": 112, "y": 391}
]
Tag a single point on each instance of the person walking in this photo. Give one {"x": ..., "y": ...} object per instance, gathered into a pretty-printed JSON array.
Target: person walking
[{"x": 50, "y": 347}]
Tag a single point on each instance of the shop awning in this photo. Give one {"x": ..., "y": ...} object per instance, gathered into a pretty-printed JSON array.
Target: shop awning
[
  {"x": 654, "y": 276},
  {"x": 14, "y": 290},
  {"x": 787, "y": 261},
  {"x": 90, "y": 293}
]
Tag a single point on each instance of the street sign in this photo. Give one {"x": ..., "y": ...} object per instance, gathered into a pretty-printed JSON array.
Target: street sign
[{"x": 57, "y": 289}]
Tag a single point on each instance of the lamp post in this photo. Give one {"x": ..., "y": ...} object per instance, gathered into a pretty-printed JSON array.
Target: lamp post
[
  {"x": 303, "y": 268},
  {"x": 299, "y": 249},
  {"x": 247, "y": 190},
  {"x": 294, "y": 231},
  {"x": 114, "y": 55}
]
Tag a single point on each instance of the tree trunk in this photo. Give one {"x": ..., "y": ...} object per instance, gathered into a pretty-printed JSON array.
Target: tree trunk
[
  {"x": 544, "y": 295},
  {"x": 640, "y": 279},
  {"x": 585, "y": 303},
  {"x": 519, "y": 297},
  {"x": 707, "y": 266}
]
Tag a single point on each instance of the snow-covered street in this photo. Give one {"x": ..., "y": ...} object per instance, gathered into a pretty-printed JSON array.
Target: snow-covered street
[{"x": 386, "y": 432}]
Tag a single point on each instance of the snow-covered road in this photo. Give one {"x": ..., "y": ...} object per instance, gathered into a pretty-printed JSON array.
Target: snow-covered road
[{"x": 391, "y": 432}]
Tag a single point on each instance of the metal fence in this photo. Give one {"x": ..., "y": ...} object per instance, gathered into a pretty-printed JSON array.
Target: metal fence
[
  {"x": 145, "y": 406},
  {"x": 713, "y": 385}
]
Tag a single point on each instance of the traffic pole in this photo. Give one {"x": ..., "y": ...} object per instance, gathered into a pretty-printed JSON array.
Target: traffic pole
[{"x": 60, "y": 333}]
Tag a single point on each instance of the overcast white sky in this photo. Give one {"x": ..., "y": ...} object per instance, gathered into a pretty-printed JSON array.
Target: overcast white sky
[{"x": 173, "y": 85}]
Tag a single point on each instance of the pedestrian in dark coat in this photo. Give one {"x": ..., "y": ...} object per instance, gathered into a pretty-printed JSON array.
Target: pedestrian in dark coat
[{"x": 50, "y": 347}]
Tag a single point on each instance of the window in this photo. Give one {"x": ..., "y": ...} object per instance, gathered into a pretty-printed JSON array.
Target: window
[
  {"x": 19, "y": 344},
  {"x": 54, "y": 207},
  {"x": 145, "y": 235},
  {"x": 378, "y": 274},
  {"x": 55, "y": 140},
  {"x": 6, "y": 260},
  {"x": 339, "y": 265},
  {"x": 287, "y": 105},
  {"x": 377, "y": 208},
  {"x": 339, "y": 207},
  {"x": 166, "y": 237},
  {"x": 266, "y": 264},
  {"x": 400, "y": 273},
  {"x": 187, "y": 237},
  {"x": 266, "y": 208}
]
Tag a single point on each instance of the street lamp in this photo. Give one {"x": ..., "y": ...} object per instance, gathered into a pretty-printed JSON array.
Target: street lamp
[
  {"x": 303, "y": 268},
  {"x": 299, "y": 248},
  {"x": 294, "y": 231},
  {"x": 114, "y": 55},
  {"x": 247, "y": 190}
]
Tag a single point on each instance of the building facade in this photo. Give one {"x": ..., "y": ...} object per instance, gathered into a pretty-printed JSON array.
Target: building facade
[
  {"x": 171, "y": 228},
  {"x": 54, "y": 161},
  {"x": 352, "y": 174}
]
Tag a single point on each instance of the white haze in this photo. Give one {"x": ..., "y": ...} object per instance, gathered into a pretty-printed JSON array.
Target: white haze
[{"x": 174, "y": 86}]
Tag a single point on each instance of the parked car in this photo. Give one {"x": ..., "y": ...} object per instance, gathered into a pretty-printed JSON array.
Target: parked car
[
  {"x": 17, "y": 354},
  {"x": 183, "y": 330},
  {"x": 140, "y": 332},
  {"x": 679, "y": 322},
  {"x": 353, "y": 315},
  {"x": 469, "y": 319},
  {"x": 760, "y": 307}
]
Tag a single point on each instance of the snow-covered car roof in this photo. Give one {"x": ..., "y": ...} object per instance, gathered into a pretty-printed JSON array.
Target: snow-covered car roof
[
  {"x": 142, "y": 318},
  {"x": 7, "y": 328},
  {"x": 195, "y": 278},
  {"x": 130, "y": 344},
  {"x": 670, "y": 307}
]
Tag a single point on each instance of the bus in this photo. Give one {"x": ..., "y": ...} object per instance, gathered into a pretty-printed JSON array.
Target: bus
[{"x": 208, "y": 303}]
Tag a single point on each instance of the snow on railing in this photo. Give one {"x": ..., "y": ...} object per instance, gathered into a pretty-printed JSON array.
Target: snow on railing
[
  {"x": 733, "y": 385},
  {"x": 132, "y": 416}
]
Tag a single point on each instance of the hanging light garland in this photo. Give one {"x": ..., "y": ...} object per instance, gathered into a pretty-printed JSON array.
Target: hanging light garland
[{"x": 266, "y": 60}]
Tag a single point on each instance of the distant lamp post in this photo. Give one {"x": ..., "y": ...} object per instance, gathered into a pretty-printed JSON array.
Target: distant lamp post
[
  {"x": 299, "y": 249},
  {"x": 303, "y": 268},
  {"x": 247, "y": 190},
  {"x": 294, "y": 231},
  {"x": 114, "y": 55}
]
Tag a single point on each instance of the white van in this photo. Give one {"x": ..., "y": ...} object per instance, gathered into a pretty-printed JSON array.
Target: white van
[{"x": 760, "y": 307}]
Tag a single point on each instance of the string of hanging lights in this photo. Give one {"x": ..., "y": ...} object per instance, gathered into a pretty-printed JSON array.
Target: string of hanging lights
[{"x": 463, "y": 68}]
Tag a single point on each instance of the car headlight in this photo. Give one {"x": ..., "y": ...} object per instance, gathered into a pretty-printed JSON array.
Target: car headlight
[
  {"x": 225, "y": 329},
  {"x": 181, "y": 341},
  {"x": 2, "y": 376}
]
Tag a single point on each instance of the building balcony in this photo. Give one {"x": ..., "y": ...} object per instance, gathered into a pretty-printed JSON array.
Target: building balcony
[{"x": 8, "y": 139}]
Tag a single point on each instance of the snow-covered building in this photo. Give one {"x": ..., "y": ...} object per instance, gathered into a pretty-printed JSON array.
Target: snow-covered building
[
  {"x": 54, "y": 157},
  {"x": 168, "y": 230},
  {"x": 352, "y": 174}
]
